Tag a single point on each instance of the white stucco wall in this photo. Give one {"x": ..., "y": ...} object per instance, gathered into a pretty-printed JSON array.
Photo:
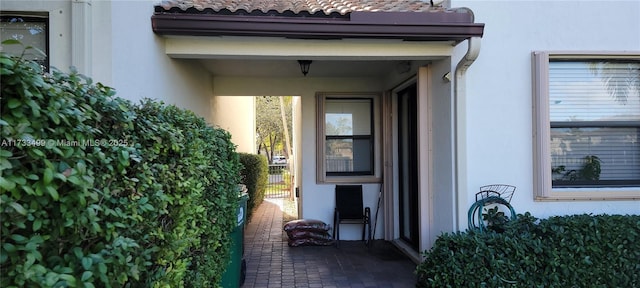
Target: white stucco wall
[
  {"x": 141, "y": 69},
  {"x": 498, "y": 108},
  {"x": 123, "y": 51}
]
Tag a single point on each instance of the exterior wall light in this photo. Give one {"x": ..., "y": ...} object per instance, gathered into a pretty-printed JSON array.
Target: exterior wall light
[{"x": 304, "y": 66}]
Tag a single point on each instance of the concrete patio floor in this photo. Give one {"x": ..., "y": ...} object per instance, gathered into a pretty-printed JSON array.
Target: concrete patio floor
[{"x": 272, "y": 263}]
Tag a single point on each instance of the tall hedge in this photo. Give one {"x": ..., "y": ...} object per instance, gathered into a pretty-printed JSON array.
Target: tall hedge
[
  {"x": 562, "y": 251},
  {"x": 99, "y": 192},
  {"x": 255, "y": 175}
]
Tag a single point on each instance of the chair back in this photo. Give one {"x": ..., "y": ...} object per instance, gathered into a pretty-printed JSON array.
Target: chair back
[{"x": 349, "y": 201}]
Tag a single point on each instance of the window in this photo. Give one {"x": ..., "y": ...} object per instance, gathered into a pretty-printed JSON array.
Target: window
[
  {"x": 346, "y": 130},
  {"x": 588, "y": 127},
  {"x": 31, "y": 29}
]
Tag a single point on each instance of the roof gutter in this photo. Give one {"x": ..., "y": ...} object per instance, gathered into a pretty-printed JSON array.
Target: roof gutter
[{"x": 412, "y": 26}]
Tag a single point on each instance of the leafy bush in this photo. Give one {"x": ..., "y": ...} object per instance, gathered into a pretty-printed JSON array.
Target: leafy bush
[
  {"x": 255, "y": 175},
  {"x": 568, "y": 251},
  {"x": 98, "y": 192}
]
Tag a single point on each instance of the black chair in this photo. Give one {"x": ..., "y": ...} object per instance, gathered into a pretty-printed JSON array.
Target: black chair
[{"x": 349, "y": 210}]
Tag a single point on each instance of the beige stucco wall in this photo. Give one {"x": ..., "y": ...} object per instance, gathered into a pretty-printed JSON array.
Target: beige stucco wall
[{"x": 236, "y": 115}]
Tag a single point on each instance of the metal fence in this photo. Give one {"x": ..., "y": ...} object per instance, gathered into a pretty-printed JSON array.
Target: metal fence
[{"x": 279, "y": 181}]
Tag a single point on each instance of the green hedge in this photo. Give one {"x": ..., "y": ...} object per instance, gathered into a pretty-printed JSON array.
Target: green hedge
[
  {"x": 568, "y": 251},
  {"x": 254, "y": 174},
  {"x": 98, "y": 192}
]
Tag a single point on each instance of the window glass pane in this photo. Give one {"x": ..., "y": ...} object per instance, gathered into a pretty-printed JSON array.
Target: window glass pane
[
  {"x": 348, "y": 117},
  {"x": 29, "y": 31},
  {"x": 349, "y": 155},
  {"x": 617, "y": 151},
  {"x": 594, "y": 91}
]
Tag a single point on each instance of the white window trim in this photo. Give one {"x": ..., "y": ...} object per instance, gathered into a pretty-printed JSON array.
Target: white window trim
[
  {"x": 542, "y": 187},
  {"x": 321, "y": 175}
]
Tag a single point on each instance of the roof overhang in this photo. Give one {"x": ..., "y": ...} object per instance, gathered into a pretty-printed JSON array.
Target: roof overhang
[{"x": 411, "y": 26}]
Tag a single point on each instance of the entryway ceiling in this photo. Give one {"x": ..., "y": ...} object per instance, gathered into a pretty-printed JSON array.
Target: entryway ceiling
[{"x": 291, "y": 68}]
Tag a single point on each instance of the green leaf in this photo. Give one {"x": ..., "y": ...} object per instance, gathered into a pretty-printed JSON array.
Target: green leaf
[
  {"x": 13, "y": 103},
  {"x": 6, "y": 184},
  {"x": 48, "y": 176},
  {"x": 77, "y": 251},
  {"x": 5, "y": 153},
  {"x": 86, "y": 276},
  {"x": 86, "y": 263},
  {"x": 5, "y": 164},
  {"x": 38, "y": 152},
  {"x": 11, "y": 42},
  {"x": 53, "y": 193},
  {"x": 102, "y": 268},
  {"x": 51, "y": 278},
  {"x": 19, "y": 238},
  {"x": 16, "y": 206},
  {"x": 37, "y": 224},
  {"x": 71, "y": 281},
  {"x": 9, "y": 247}
]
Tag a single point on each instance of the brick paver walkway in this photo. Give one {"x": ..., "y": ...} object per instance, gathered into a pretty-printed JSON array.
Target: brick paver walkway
[{"x": 272, "y": 263}]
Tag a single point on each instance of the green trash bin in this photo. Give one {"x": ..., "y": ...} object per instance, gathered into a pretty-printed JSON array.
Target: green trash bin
[{"x": 235, "y": 274}]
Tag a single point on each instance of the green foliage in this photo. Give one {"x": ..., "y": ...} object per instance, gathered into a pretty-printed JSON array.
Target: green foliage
[
  {"x": 568, "y": 251},
  {"x": 255, "y": 175},
  {"x": 590, "y": 170},
  {"x": 98, "y": 192},
  {"x": 286, "y": 174},
  {"x": 496, "y": 219}
]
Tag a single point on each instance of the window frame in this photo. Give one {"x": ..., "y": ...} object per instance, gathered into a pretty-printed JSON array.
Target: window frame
[
  {"x": 543, "y": 189},
  {"x": 321, "y": 174},
  {"x": 36, "y": 17}
]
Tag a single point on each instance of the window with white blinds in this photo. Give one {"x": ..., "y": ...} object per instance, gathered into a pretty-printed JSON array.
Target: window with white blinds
[{"x": 594, "y": 116}]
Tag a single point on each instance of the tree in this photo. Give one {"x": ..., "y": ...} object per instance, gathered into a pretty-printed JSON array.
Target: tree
[
  {"x": 270, "y": 126},
  {"x": 621, "y": 80}
]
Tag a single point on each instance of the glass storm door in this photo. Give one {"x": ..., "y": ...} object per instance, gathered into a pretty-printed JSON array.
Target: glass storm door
[{"x": 408, "y": 165}]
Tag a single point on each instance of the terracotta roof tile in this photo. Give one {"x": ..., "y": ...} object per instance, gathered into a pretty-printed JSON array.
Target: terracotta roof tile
[{"x": 326, "y": 7}]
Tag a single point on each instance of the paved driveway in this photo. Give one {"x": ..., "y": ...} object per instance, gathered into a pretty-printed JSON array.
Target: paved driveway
[{"x": 272, "y": 263}]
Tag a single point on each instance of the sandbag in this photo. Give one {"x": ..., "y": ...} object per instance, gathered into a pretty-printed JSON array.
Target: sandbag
[
  {"x": 302, "y": 234},
  {"x": 310, "y": 242},
  {"x": 307, "y": 224}
]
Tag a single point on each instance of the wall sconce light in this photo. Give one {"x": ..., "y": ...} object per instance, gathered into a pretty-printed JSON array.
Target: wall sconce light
[{"x": 304, "y": 66}]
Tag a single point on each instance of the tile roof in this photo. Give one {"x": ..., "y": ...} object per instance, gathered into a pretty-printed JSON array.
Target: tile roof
[{"x": 289, "y": 7}]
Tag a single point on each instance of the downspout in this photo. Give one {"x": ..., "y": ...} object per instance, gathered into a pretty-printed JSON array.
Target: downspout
[{"x": 459, "y": 126}]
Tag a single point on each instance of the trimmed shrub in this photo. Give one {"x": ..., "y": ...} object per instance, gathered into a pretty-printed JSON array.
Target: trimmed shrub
[
  {"x": 567, "y": 251},
  {"x": 98, "y": 192},
  {"x": 254, "y": 174}
]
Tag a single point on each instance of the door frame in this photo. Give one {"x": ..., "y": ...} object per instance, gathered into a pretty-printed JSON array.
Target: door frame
[{"x": 425, "y": 165}]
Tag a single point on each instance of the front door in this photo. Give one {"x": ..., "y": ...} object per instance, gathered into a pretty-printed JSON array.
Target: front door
[{"x": 408, "y": 165}]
